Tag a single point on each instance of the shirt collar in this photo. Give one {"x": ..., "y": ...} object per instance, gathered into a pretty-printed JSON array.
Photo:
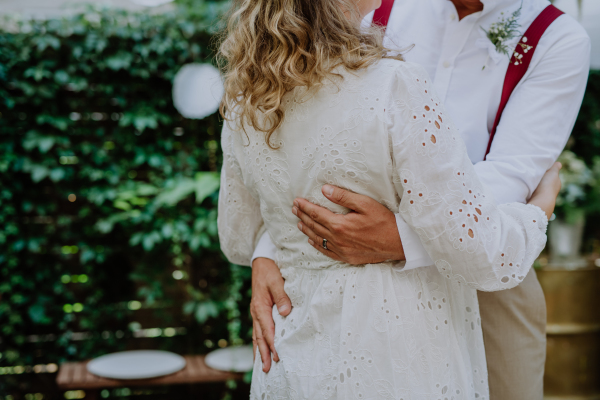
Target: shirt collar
[{"x": 491, "y": 6}]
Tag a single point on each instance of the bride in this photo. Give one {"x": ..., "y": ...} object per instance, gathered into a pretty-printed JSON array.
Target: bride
[{"x": 313, "y": 99}]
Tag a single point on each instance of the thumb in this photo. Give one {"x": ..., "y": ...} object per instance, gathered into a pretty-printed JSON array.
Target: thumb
[
  {"x": 557, "y": 166},
  {"x": 282, "y": 301},
  {"x": 344, "y": 197}
]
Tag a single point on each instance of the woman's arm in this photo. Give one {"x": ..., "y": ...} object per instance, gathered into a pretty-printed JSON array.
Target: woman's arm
[
  {"x": 468, "y": 237},
  {"x": 239, "y": 221}
]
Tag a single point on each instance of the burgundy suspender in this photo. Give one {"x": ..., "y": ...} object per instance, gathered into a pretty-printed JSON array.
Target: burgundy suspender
[
  {"x": 519, "y": 62},
  {"x": 382, "y": 14}
]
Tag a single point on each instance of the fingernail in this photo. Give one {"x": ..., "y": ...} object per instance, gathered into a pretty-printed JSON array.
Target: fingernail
[
  {"x": 328, "y": 190},
  {"x": 296, "y": 203},
  {"x": 295, "y": 211},
  {"x": 310, "y": 241},
  {"x": 283, "y": 308},
  {"x": 300, "y": 225}
]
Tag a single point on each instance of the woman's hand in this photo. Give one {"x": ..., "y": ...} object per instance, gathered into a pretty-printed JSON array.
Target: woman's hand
[
  {"x": 545, "y": 195},
  {"x": 267, "y": 290}
]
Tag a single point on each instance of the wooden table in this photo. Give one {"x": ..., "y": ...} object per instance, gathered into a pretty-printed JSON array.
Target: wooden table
[{"x": 75, "y": 376}]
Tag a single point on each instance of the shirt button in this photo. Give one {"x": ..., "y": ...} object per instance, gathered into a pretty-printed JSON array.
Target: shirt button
[
  {"x": 452, "y": 17},
  {"x": 446, "y": 64}
]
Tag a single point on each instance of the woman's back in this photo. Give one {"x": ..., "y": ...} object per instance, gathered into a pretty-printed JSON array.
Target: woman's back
[
  {"x": 336, "y": 135},
  {"x": 374, "y": 331}
]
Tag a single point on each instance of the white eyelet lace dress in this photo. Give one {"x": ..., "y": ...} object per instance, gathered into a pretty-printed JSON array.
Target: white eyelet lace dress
[{"x": 374, "y": 331}]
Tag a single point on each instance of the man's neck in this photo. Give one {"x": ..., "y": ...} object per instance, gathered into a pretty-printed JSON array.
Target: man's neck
[{"x": 467, "y": 7}]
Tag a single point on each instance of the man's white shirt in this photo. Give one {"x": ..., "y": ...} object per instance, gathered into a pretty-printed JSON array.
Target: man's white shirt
[{"x": 538, "y": 118}]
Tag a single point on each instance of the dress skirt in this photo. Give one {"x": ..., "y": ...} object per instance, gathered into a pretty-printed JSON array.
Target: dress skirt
[{"x": 375, "y": 332}]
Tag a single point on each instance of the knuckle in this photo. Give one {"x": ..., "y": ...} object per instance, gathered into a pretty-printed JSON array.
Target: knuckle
[
  {"x": 259, "y": 318},
  {"x": 313, "y": 215},
  {"x": 281, "y": 299},
  {"x": 337, "y": 226},
  {"x": 366, "y": 204}
]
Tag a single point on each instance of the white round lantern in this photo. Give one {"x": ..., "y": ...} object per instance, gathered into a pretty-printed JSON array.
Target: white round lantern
[{"x": 197, "y": 90}]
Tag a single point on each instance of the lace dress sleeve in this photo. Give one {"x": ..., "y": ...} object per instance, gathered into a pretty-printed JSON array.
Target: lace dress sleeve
[
  {"x": 239, "y": 219},
  {"x": 468, "y": 236}
]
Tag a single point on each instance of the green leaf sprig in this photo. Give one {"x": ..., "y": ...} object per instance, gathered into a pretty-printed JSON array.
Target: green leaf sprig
[{"x": 501, "y": 32}]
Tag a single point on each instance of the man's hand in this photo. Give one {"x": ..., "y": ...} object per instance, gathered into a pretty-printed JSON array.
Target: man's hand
[
  {"x": 545, "y": 195},
  {"x": 366, "y": 235},
  {"x": 267, "y": 290}
]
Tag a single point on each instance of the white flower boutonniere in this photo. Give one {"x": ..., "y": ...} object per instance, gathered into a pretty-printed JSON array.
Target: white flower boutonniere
[{"x": 502, "y": 32}]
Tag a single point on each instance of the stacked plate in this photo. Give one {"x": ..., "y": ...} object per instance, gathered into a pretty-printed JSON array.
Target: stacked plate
[
  {"x": 233, "y": 359},
  {"x": 137, "y": 364}
]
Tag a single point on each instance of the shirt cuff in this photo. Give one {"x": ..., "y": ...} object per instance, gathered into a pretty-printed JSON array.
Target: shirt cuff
[
  {"x": 265, "y": 248},
  {"x": 414, "y": 252}
]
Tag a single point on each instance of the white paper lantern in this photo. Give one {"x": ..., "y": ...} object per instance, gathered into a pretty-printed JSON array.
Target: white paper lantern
[
  {"x": 197, "y": 90},
  {"x": 589, "y": 18}
]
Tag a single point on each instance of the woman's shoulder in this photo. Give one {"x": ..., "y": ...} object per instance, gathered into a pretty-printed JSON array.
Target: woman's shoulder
[{"x": 394, "y": 70}]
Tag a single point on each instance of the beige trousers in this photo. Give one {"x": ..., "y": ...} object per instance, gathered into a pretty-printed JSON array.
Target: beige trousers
[{"x": 514, "y": 334}]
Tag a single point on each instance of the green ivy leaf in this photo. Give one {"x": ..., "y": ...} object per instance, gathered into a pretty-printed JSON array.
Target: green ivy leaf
[
  {"x": 206, "y": 184},
  {"x": 37, "y": 313},
  {"x": 206, "y": 310},
  {"x": 119, "y": 61},
  {"x": 45, "y": 144},
  {"x": 57, "y": 174},
  {"x": 39, "y": 172}
]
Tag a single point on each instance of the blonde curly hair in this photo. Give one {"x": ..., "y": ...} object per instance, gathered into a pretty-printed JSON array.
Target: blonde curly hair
[{"x": 270, "y": 47}]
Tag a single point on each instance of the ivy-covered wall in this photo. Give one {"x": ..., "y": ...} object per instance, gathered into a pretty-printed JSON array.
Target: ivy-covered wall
[{"x": 108, "y": 198}]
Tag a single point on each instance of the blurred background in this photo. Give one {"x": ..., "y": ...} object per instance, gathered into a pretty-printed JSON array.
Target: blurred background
[{"x": 109, "y": 161}]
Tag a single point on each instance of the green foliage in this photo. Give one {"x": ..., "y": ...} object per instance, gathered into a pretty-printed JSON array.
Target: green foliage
[
  {"x": 108, "y": 195},
  {"x": 585, "y": 140},
  {"x": 578, "y": 181}
]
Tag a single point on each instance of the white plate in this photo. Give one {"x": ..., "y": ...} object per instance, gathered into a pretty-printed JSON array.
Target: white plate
[
  {"x": 234, "y": 359},
  {"x": 137, "y": 364}
]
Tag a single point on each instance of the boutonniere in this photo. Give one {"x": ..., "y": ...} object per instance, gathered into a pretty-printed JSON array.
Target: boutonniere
[{"x": 502, "y": 32}]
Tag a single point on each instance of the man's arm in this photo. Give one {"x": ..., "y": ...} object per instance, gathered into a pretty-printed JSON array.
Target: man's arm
[
  {"x": 265, "y": 248},
  {"x": 538, "y": 119},
  {"x": 534, "y": 128}
]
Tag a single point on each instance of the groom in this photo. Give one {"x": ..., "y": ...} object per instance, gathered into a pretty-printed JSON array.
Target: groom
[{"x": 468, "y": 70}]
